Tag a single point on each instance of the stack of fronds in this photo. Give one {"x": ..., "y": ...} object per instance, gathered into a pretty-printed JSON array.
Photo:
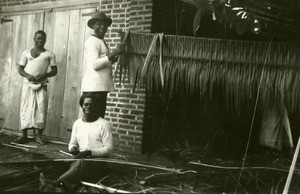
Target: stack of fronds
[{"x": 201, "y": 68}]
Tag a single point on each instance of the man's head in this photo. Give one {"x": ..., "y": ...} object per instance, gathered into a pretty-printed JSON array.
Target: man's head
[
  {"x": 100, "y": 28},
  {"x": 99, "y": 22},
  {"x": 40, "y": 38},
  {"x": 89, "y": 104}
]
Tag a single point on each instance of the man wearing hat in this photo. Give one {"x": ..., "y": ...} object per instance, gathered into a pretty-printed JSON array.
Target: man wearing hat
[{"x": 98, "y": 77}]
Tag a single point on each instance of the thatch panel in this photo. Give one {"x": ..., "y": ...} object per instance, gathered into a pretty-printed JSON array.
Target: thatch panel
[{"x": 199, "y": 67}]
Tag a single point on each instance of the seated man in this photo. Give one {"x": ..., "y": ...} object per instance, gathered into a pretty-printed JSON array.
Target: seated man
[{"x": 91, "y": 137}]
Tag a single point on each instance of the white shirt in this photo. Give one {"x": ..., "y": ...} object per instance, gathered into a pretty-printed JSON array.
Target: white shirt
[
  {"x": 98, "y": 75},
  {"x": 95, "y": 136},
  {"x": 38, "y": 65}
]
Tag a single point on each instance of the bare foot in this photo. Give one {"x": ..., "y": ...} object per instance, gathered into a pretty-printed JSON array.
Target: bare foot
[{"x": 48, "y": 185}]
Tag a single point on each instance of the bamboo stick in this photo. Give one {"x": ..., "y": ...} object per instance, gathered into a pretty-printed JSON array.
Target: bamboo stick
[
  {"x": 113, "y": 190},
  {"x": 23, "y": 145},
  {"x": 292, "y": 169},
  {"x": 238, "y": 168},
  {"x": 8, "y": 145},
  {"x": 161, "y": 59},
  {"x": 101, "y": 186},
  {"x": 66, "y": 153},
  {"x": 114, "y": 161}
]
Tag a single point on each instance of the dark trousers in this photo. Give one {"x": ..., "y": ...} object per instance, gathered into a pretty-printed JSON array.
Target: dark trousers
[
  {"x": 102, "y": 97},
  {"x": 82, "y": 170}
]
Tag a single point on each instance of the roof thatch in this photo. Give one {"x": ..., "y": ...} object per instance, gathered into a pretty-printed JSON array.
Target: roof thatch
[{"x": 198, "y": 67}]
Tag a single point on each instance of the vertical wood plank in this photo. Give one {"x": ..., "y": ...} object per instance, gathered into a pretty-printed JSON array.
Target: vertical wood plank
[
  {"x": 30, "y": 31},
  {"x": 35, "y": 23},
  {"x": 50, "y": 18},
  {"x": 56, "y": 87},
  {"x": 87, "y": 32},
  {"x": 39, "y": 21},
  {"x": 73, "y": 74},
  {"x": 6, "y": 48},
  {"x": 19, "y": 43}
]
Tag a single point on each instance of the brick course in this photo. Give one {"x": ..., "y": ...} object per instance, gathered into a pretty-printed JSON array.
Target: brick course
[{"x": 125, "y": 110}]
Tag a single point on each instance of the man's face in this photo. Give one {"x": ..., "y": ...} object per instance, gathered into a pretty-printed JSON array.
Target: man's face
[
  {"x": 39, "y": 40},
  {"x": 100, "y": 28},
  {"x": 89, "y": 106}
]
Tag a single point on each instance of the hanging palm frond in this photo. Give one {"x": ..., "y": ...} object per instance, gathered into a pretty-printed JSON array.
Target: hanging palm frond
[{"x": 202, "y": 68}]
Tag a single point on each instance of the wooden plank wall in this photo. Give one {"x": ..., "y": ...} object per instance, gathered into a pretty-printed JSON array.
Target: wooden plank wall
[
  {"x": 64, "y": 90},
  {"x": 56, "y": 86},
  {"x": 16, "y": 37},
  {"x": 19, "y": 45},
  {"x": 66, "y": 32},
  {"x": 86, "y": 32},
  {"x": 74, "y": 69},
  {"x": 49, "y": 22},
  {"x": 6, "y": 48}
]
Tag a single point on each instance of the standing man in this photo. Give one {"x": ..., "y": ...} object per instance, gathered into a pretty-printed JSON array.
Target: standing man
[
  {"x": 33, "y": 67},
  {"x": 98, "y": 77}
]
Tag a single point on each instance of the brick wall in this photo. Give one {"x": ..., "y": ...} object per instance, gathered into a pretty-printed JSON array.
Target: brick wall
[{"x": 124, "y": 109}]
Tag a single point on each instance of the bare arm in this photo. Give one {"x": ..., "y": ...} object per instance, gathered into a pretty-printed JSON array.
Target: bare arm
[{"x": 53, "y": 71}]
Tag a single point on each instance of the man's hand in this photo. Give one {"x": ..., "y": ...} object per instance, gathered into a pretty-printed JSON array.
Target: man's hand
[
  {"x": 74, "y": 150},
  {"x": 31, "y": 78},
  {"x": 120, "y": 49},
  {"x": 114, "y": 59},
  {"x": 41, "y": 77},
  {"x": 83, "y": 154}
]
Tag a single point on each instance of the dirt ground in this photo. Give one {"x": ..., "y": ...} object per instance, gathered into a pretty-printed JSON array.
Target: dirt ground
[
  {"x": 50, "y": 150},
  {"x": 264, "y": 173}
]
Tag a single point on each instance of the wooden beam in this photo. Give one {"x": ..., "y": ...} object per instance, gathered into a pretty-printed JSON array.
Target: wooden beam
[{"x": 50, "y": 6}]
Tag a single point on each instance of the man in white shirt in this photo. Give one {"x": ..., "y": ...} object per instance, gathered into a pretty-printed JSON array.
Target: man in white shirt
[
  {"x": 98, "y": 78},
  {"x": 33, "y": 66},
  {"x": 91, "y": 137}
]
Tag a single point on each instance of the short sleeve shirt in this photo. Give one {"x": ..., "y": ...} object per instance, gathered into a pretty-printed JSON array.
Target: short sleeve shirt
[{"x": 38, "y": 65}]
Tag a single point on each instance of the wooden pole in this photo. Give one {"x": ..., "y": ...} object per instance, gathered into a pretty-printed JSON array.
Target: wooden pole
[
  {"x": 17, "y": 147},
  {"x": 23, "y": 145},
  {"x": 292, "y": 168}
]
